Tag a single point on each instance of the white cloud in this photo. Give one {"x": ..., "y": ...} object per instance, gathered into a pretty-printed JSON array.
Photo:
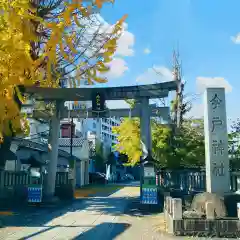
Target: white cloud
[
  {"x": 154, "y": 75},
  {"x": 124, "y": 48},
  {"x": 147, "y": 51},
  {"x": 117, "y": 68},
  {"x": 236, "y": 39},
  {"x": 218, "y": 82},
  {"x": 125, "y": 43}
]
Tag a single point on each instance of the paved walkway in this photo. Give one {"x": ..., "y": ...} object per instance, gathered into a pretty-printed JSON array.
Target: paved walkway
[
  {"x": 107, "y": 217},
  {"x": 84, "y": 219}
]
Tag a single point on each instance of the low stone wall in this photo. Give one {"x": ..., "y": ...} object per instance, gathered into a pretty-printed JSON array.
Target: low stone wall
[{"x": 177, "y": 224}]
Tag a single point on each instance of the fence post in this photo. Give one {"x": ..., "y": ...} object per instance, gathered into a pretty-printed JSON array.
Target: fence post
[
  {"x": 238, "y": 210},
  {"x": 177, "y": 208},
  {"x": 233, "y": 182},
  {"x": 168, "y": 204},
  {"x": 1, "y": 179},
  {"x": 210, "y": 212},
  {"x": 238, "y": 183},
  {"x": 157, "y": 179}
]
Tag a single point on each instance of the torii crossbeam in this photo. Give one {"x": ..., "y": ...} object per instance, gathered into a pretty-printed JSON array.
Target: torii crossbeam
[{"x": 162, "y": 112}]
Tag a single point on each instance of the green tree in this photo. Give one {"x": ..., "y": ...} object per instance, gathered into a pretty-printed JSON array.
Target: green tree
[
  {"x": 234, "y": 145},
  {"x": 190, "y": 148},
  {"x": 169, "y": 150}
]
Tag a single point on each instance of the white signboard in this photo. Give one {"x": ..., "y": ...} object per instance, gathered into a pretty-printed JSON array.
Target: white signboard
[
  {"x": 216, "y": 141},
  {"x": 27, "y": 109},
  {"x": 149, "y": 172}
]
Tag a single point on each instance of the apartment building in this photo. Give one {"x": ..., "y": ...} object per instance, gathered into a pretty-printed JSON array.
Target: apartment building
[{"x": 100, "y": 127}]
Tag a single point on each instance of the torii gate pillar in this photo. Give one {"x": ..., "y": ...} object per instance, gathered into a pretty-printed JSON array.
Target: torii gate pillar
[
  {"x": 145, "y": 124},
  {"x": 49, "y": 185},
  {"x": 145, "y": 133}
]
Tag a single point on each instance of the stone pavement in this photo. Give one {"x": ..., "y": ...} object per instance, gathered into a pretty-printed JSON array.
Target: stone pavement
[
  {"x": 106, "y": 217},
  {"x": 96, "y": 216}
]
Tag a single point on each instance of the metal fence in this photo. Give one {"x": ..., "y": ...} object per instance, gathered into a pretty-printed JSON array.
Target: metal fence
[
  {"x": 186, "y": 180},
  {"x": 11, "y": 179},
  {"x": 14, "y": 185}
]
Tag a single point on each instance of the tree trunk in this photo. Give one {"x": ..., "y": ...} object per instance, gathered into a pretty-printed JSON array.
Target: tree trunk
[{"x": 4, "y": 150}]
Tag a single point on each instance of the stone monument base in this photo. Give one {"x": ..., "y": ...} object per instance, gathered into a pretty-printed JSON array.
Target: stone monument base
[
  {"x": 200, "y": 200},
  {"x": 225, "y": 206},
  {"x": 200, "y": 222}
]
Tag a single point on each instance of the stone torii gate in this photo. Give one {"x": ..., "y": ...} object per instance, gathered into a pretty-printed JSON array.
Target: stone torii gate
[{"x": 141, "y": 93}]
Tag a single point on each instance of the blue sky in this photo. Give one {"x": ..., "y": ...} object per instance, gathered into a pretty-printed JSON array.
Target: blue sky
[{"x": 204, "y": 32}]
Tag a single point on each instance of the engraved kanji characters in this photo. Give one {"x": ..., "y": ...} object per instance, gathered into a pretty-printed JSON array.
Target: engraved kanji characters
[{"x": 215, "y": 101}]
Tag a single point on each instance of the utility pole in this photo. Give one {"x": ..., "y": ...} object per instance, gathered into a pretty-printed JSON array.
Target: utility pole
[
  {"x": 177, "y": 76},
  {"x": 71, "y": 138},
  {"x": 73, "y": 167}
]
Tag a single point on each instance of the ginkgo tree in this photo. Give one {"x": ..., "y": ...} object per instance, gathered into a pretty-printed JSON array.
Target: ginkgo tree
[
  {"x": 85, "y": 45},
  {"x": 37, "y": 39},
  {"x": 43, "y": 42},
  {"x": 129, "y": 139}
]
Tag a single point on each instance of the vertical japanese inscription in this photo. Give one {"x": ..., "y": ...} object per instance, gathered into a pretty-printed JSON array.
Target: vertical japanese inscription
[
  {"x": 216, "y": 142},
  {"x": 217, "y": 145},
  {"x": 98, "y": 104},
  {"x": 215, "y": 101},
  {"x": 216, "y": 122}
]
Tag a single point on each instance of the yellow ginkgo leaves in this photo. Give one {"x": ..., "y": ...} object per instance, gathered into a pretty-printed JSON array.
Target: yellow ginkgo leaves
[
  {"x": 16, "y": 64},
  {"x": 71, "y": 49},
  {"x": 129, "y": 140},
  {"x": 26, "y": 58}
]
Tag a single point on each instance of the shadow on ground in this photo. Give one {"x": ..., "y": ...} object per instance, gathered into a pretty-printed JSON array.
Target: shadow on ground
[
  {"x": 102, "y": 204},
  {"x": 108, "y": 230},
  {"x": 93, "y": 207},
  {"x": 39, "y": 217}
]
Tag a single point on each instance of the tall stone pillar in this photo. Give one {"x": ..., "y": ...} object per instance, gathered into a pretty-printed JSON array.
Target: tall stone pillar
[
  {"x": 53, "y": 154},
  {"x": 145, "y": 132},
  {"x": 145, "y": 124},
  {"x": 216, "y": 142}
]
